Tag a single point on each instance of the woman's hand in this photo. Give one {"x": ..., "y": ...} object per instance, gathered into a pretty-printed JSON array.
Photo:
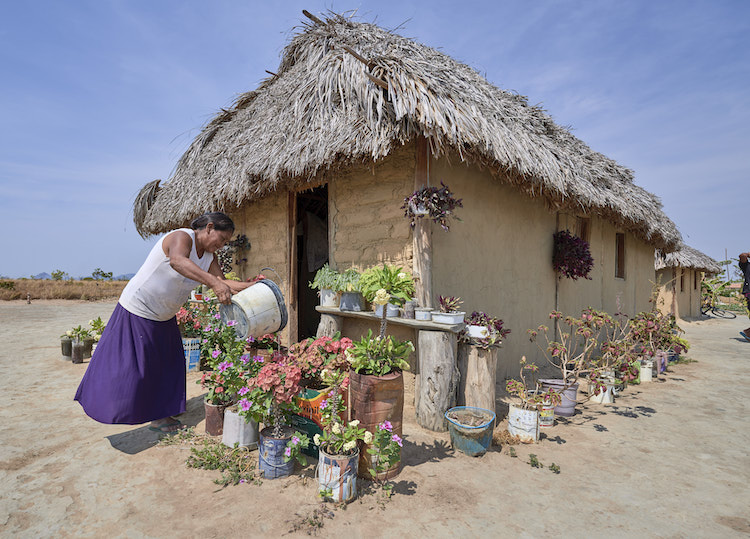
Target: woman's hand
[{"x": 223, "y": 291}]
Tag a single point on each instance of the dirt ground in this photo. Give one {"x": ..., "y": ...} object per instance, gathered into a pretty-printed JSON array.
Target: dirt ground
[{"x": 668, "y": 459}]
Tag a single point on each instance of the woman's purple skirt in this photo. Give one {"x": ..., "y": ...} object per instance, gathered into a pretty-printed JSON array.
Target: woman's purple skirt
[{"x": 137, "y": 372}]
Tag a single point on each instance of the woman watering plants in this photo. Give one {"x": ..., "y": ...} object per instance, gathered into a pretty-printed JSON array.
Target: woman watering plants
[{"x": 137, "y": 373}]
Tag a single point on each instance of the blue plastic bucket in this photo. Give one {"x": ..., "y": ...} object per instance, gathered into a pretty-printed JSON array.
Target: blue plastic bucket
[
  {"x": 271, "y": 455},
  {"x": 192, "y": 348},
  {"x": 472, "y": 438}
]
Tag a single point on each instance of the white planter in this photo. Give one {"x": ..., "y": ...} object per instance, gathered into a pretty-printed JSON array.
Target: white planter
[
  {"x": 391, "y": 312},
  {"x": 647, "y": 370},
  {"x": 606, "y": 396},
  {"x": 477, "y": 332},
  {"x": 448, "y": 318},
  {"x": 328, "y": 298},
  {"x": 238, "y": 431},
  {"x": 423, "y": 313},
  {"x": 523, "y": 423}
]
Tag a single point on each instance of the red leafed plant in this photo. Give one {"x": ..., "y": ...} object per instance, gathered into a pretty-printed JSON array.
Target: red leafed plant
[{"x": 572, "y": 256}]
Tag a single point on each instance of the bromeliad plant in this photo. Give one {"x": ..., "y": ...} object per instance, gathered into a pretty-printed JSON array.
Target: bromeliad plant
[
  {"x": 449, "y": 304},
  {"x": 438, "y": 204},
  {"x": 572, "y": 256}
]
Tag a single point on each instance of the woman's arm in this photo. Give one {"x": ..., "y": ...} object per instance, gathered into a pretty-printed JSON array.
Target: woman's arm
[
  {"x": 234, "y": 286},
  {"x": 177, "y": 247}
]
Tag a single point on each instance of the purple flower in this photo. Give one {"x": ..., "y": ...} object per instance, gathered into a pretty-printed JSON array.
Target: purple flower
[
  {"x": 244, "y": 403},
  {"x": 258, "y": 359},
  {"x": 323, "y": 404},
  {"x": 386, "y": 425},
  {"x": 250, "y": 339},
  {"x": 205, "y": 340},
  {"x": 295, "y": 440},
  {"x": 217, "y": 316},
  {"x": 224, "y": 365},
  {"x": 216, "y": 330},
  {"x": 245, "y": 358},
  {"x": 244, "y": 390},
  {"x": 215, "y": 354},
  {"x": 288, "y": 451},
  {"x": 207, "y": 328},
  {"x": 396, "y": 438},
  {"x": 232, "y": 323}
]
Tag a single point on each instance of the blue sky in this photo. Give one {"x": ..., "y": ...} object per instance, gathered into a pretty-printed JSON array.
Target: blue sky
[{"x": 99, "y": 97}]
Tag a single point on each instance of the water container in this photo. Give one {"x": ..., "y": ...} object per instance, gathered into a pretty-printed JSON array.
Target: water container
[{"x": 257, "y": 310}]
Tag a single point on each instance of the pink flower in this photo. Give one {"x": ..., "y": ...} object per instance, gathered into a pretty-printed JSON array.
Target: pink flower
[
  {"x": 216, "y": 330},
  {"x": 323, "y": 404},
  {"x": 386, "y": 425},
  {"x": 396, "y": 438},
  {"x": 258, "y": 359},
  {"x": 245, "y": 358},
  {"x": 295, "y": 440},
  {"x": 288, "y": 451},
  {"x": 244, "y": 403},
  {"x": 232, "y": 323},
  {"x": 215, "y": 353},
  {"x": 224, "y": 365},
  {"x": 217, "y": 316},
  {"x": 243, "y": 390}
]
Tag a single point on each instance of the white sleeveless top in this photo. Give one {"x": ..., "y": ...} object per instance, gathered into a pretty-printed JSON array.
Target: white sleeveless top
[{"x": 157, "y": 291}]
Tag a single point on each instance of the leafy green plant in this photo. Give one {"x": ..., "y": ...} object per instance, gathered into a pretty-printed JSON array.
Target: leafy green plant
[
  {"x": 294, "y": 448},
  {"x": 237, "y": 465},
  {"x": 554, "y": 468},
  {"x": 385, "y": 451},
  {"x": 390, "y": 281},
  {"x": 534, "y": 461},
  {"x": 527, "y": 390},
  {"x": 379, "y": 356},
  {"x": 348, "y": 281},
  {"x": 326, "y": 277}
]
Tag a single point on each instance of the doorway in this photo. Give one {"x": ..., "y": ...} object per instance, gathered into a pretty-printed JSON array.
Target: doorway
[{"x": 312, "y": 253}]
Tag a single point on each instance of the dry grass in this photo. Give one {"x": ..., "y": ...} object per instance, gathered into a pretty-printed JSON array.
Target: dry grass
[{"x": 46, "y": 289}]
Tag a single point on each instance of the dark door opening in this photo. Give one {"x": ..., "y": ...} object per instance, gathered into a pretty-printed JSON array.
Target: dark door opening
[{"x": 312, "y": 253}]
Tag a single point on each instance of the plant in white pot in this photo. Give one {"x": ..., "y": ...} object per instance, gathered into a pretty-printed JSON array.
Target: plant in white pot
[
  {"x": 534, "y": 405},
  {"x": 325, "y": 281},
  {"x": 485, "y": 330},
  {"x": 435, "y": 203},
  {"x": 448, "y": 312}
]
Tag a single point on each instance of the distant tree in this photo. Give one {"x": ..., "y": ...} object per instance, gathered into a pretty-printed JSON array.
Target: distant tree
[
  {"x": 100, "y": 275},
  {"x": 59, "y": 275}
]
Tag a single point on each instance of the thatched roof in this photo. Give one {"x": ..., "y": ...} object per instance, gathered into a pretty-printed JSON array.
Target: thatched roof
[
  {"x": 326, "y": 107},
  {"x": 686, "y": 257}
]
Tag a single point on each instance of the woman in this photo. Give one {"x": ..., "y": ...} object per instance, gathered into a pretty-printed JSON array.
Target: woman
[
  {"x": 137, "y": 373},
  {"x": 745, "y": 267}
]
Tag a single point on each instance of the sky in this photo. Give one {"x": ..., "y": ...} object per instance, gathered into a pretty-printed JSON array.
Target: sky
[{"x": 99, "y": 97}]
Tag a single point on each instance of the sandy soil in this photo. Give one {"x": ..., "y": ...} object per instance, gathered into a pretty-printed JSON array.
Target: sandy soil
[{"x": 668, "y": 459}]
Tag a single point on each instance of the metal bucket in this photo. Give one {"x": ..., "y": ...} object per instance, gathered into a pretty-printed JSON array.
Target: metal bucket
[{"x": 257, "y": 310}]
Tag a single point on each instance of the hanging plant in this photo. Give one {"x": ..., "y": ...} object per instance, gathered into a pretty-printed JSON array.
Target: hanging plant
[
  {"x": 436, "y": 203},
  {"x": 572, "y": 256}
]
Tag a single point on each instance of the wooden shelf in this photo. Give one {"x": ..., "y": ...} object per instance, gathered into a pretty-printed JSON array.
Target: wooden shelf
[{"x": 369, "y": 315}]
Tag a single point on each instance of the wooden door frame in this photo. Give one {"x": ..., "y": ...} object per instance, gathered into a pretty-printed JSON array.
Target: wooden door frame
[{"x": 292, "y": 302}]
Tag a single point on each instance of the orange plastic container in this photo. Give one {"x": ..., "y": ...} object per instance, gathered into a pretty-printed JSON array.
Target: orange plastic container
[{"x": 310, "y": 404}]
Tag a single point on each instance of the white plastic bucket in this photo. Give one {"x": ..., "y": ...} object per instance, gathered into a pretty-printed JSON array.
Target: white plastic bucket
[
  {"x": 257, "y": 310},
  {"x": 523, "y": 423},
  {"x": 605, "y": 396},
  {"x": 477, "y": 332},
  {"x": 647, "y": 371},
  {"x": 238, "y": 431}
]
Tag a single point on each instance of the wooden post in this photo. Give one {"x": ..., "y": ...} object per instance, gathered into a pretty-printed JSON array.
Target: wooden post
[
  {"x": 478, "y": 370},
  {"x": 329, "y": 325},
  {"x": 438, "y": 378},
  {"x": 291, "y": 301},
  {"x": 422, "y": 238}
]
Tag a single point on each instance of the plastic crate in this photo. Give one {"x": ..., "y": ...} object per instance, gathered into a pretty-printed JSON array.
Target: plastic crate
[
  {"x": 309, "y": 403},
  {"x": 192, "y": 349}
]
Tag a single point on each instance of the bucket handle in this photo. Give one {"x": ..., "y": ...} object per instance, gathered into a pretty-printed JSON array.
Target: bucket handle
[{"x": 281, "y": 281}]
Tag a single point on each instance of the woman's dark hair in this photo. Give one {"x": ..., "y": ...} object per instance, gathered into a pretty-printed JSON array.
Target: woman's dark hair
[{"x": 220, "y": 220}]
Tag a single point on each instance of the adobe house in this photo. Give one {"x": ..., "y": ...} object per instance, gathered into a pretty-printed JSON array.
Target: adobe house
[
  {"x": 679, "y": 275},
  {"x": 354, "y": 119}
]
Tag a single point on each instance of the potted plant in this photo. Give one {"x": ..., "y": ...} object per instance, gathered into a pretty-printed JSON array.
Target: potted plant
[
  {"x": 348, "y": 286},
  {"x": 385, "y": 454},
  {"x": 485, "y": 330},
  {"x": 571, "y": 256},
  {"x": 270, "y": 400},
  {"x": 386, "y": 286},
  {"x": 448, "y": 313},
  {"x": 66, "y": 344},
  {"x": 535, "y": 406},
  {"x": 377, "y": 387},
  {"x": 268, "y": 345},
  {"x": 191, "y": 331},
  {"x": 223, "y": 385},
  {"x": 325, "y": 282},
  {"x": 438, "y": 204},
  {"x": 337, "y": 444},
  {"x": 80, "y": 336},
  {"x": 571, "y": 355}
]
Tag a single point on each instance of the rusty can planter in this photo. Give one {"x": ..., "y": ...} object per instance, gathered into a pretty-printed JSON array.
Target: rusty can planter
[
  {"x": 214, "y": 418},
  {"x": 374, "y": 399}
]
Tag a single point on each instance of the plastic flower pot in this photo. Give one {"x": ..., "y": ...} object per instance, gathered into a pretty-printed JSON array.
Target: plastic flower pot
[
  {"x": 448, "y": 318},
  {"x": 328, "y": 298},
  {"x": 66, "y": 344},
  {"x": 470, "y": 429},
  {"x": 523, "y": 423},
  {"x": 569, "y": 397}
]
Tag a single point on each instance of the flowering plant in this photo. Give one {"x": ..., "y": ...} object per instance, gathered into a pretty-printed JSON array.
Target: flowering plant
[
  {"x": 294, "y": 448},
  {"x": 438, "y": 203},
  {"x": 219, "y": 342},
  {"x": 269, "y": 341},
  {"x": 312, "y": 356},
  {"x": 268, "y": 397},
  {"x": 189, "y": 324},
  {"x": 224, "y": 383},
  {"x": 386, "y": 284},
  {"x": 571, "y": 256},
  {"x": 495, "y": 332},
  {"x": 385, "y": 450},
  {"x": 379, "y": 356},
  {"x": 97, "y": 327}
]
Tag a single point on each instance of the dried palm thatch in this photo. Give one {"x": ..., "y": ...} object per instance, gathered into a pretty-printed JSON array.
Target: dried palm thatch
[
  {"x": 686, "y": 257},
  {"x": 348, "y": 92}
]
